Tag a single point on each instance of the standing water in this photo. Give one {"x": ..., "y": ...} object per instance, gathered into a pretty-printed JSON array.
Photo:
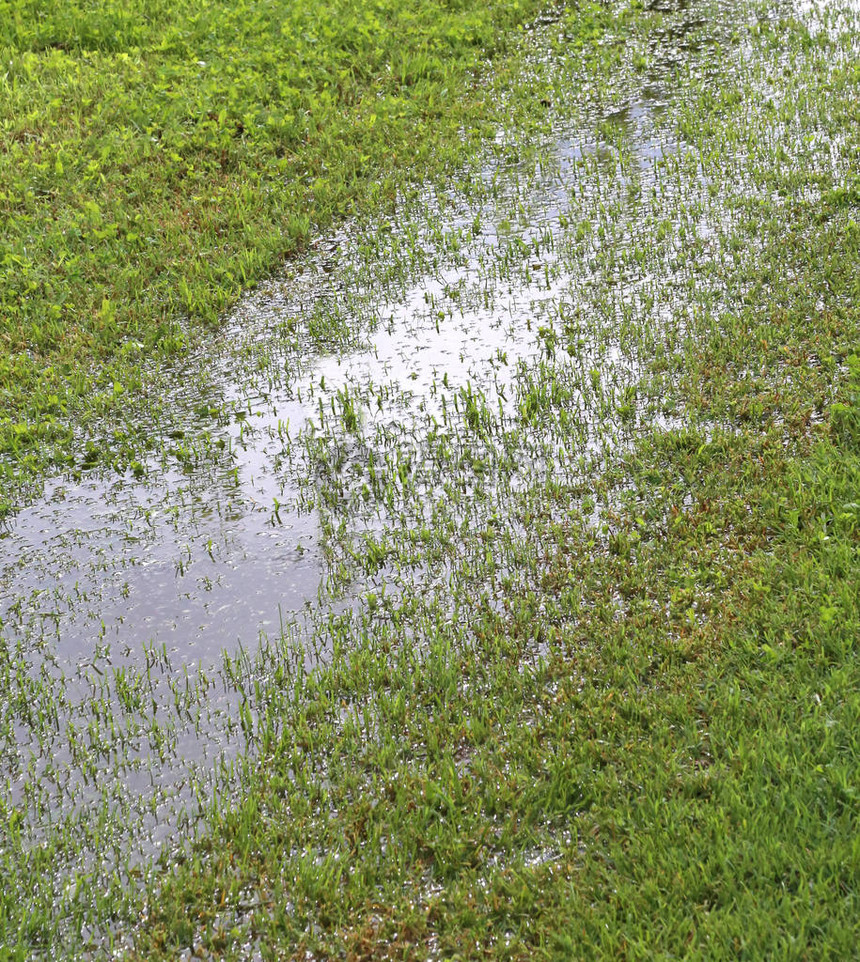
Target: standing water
[{"x": 365, "y": 427}]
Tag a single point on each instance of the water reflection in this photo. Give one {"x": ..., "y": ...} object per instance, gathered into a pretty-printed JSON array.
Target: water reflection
[
  {"x": 184, "y": 560},
  {"x": 574, "y": 272}
]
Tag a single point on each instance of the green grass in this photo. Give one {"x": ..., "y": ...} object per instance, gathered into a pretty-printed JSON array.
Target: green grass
[
  {"x": 655, "y": 786},
  {"x": 596, "y": 692},
  {"x": 649, "y": 753}
]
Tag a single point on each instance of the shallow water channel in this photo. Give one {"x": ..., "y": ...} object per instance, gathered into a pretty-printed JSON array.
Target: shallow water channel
[{"x": 367, "y": 426}]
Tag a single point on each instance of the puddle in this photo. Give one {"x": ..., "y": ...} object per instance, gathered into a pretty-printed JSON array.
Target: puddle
[
  {"x": 200, "y": 557},
  {"x": 250, "y": 515},
  {"x": 167, "y": 563},
  {"x": 366, "y": 424}
]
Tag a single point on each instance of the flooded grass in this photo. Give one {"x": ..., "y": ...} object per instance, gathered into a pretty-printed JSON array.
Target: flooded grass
[
  {"x": 159, "y": 157},
  {"x": 487, "y": 585}
]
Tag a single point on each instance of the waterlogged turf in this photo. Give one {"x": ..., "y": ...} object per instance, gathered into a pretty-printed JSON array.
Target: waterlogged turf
[
  {"x": 158, "y": 157},
  {"x": 487, "y": 585}
]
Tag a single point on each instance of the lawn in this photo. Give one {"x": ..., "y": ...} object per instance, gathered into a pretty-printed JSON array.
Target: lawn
[{"x": 581, "y": 677}]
